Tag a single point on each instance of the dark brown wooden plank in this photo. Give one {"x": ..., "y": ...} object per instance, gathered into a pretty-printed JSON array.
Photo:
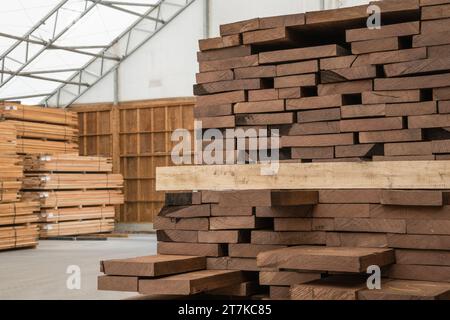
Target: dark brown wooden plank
[
  {"x": 319, "y": 115},
  {"x": 286, "y": 278},
  {"x": 386, "y": 31},
  {"x": 290, "y": 93},
  {"x": 438, "y": 51},
  {"x": 262, "y": 95},
  {"x": 289, "y": 212},
  {"x": 229, "y": 236},
  {"x": 314, "y": 102},
  {"x": 214, "y": 76},
  {"x": 288, "y": 238},
  {"x": 304, "y": 80},
  {"x": 117, "y": 283},
  {"x": 182, "y": 198},
  {"x": 264, "y": 119},
  {"x": 412, "y": 198},
  {"x": 230, "y": 63},
  {"x": 428, "y": 227},
  {"x": 341, "y": 211},
  {"x": 434, "y": 242},
  {"x": 376, "y": 97},
  {"x": 429, "y": 121},
  {"x": 161, "y": 223},
  {"x": 290, "y": 20},
  {"x": 353, "y": 239},
  {"x": 422, "y": 273},
  {"x": 218, "y": 122},
  {"x": 411, "y": 109},
  {"x": 259, "y": 106},
  {"x": 302, "y": 67},
  {"x": 219, "y": 42},
  {"x": 398, "y": 56},
  {"x": 344, "y": 62},
  {"x": 318, "y": 140},
  {"x": 370, "y": 225},
  {"x": 199, "y": 249},
  {"x": 191, "y": 283},
  {"x": 301, "y": 54},
  {"x": 431, "y": 39},
  {"x": 224, "y": 53},
  {"x": 221, "y": 98},
  {"x": 337, "y": 259},
  {"x": 363, "y": 111},
  {"x": 337, "y": 15},
  {"x": 313, "y": 153},
  {"x": 237, "y": 222},
  {"x": 359, "y": 150},
  {"x": 272, "y": 36},
  {"x": 302, "y": 129},
  {"x": 422, "y": 257},
  {"x": 417, "y": 67},
  {"x": 390, "y": 136},
  {"x": 349, "y": 196},
  {"x": 369, "y": 46},
  {"x": 194, "y": 211},
  {"x": 348, "y": 74},
  {"x": 153, "y": 266},
  {"x": 223, "y": 211},
  {"x": 292, "y": 224},
  {"x": 213, "y": 111},
  {"x": 419, "y": 82},
  {"x": 231, "y": 263},
  {"x": 332, "y": 288},
  {"x": 378, "y": 124},
  {"x": 255, "y": 72},
  {"x": 177, "y": 236},
  {"x": 239, "y": 27},
  {"x": 408, "y": 290},
  {"x": 345, "y": 87},
  {"x": 249, "y": 250},
  {"x": 225, "y": 86},
  {"x": 408, "y": 149}
]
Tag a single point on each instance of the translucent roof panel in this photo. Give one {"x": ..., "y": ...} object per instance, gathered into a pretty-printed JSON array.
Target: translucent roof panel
[{"x": 96, "y": 26}]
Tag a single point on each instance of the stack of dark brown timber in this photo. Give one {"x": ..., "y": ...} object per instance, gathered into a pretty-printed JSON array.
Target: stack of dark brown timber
[
  {"x": 76, "y": 194},
  {"x": 42, "y": 130},
  {"x": 302, "y": 244},
  {"x": 17, "y": 228},
  {"x": 336, "y": 91}
]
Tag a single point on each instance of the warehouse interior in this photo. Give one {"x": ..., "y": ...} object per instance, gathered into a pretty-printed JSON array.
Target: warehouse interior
[{"x": 92, "y": 201}]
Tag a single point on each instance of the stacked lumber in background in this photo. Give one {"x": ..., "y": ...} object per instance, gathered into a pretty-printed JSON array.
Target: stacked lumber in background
[
  {"x": 77, "y": 194},
  {"x": 42, "y": 130},
  {"x": 305, "y": 245},
  {"x": 334, "y": 89},
  {"x": 17, "y": 218}
]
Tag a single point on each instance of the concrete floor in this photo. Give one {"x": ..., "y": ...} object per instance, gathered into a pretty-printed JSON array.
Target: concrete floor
[{"x": 41, "y": 273}]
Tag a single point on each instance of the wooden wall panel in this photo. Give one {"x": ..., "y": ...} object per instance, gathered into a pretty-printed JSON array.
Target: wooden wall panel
[{"x": 137, "y": 136}]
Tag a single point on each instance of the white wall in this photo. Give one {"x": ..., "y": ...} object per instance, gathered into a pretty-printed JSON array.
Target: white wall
[{"x": 166, "y": 65}]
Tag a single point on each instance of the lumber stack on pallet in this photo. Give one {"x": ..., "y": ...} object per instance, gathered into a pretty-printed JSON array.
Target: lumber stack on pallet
[
  {"x": 42, "y": 130},
  {"x": 17, "y": 217},
  {"x": 76, "y": 194},
  {"x": 171, "y": 275},
  {"x": 337, "y": 92},
  {"x": 312, "y": 245},
  {"x": 334, "y": 89}
]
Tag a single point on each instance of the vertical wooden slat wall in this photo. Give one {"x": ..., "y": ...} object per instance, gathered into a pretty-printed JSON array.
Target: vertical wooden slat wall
[{"x": 137, "y": 136}]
